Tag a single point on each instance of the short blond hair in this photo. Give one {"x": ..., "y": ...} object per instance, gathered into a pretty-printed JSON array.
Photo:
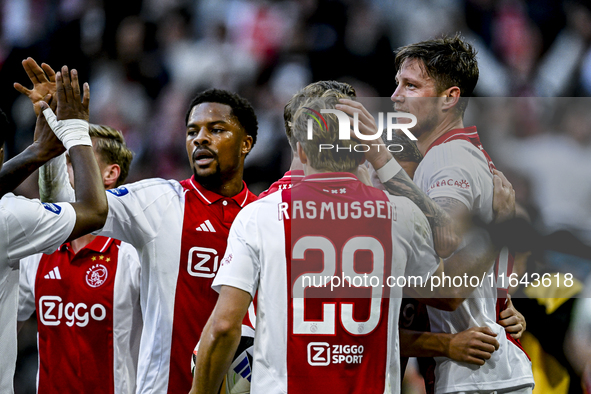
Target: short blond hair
[
  {"x": 112, "y": 149},
  {"x": 345, "y": 159}
]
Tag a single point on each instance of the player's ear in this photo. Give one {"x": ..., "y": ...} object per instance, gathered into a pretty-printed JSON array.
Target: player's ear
[
  {"x": 110, "y": 175},
  {"x": 302, "y": 154},
  {"x": 246, "y": 144},
  {"x": 451, "y": 97}
]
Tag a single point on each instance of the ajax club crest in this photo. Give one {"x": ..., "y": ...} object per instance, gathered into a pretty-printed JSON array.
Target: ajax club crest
[{"x": 96, "y": 275}]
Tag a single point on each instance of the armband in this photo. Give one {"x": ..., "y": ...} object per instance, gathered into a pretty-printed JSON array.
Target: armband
[
  {"x": 388, "y": 171},
  {"x": 71, "y": 132}
]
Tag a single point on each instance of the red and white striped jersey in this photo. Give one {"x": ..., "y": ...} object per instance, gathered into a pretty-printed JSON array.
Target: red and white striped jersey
[
  {"x": 180, "y": 231},
  {"x": 457, "y": 166},
  {"x": 26, "y": 227},
  {"x": 329, "y": 225},
  {"x": 88, "y": 316},
  {"x": 286, "y": 182}
]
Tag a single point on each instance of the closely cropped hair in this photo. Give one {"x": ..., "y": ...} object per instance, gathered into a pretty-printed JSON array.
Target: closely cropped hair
[
  {"x": 4, "y": 128},
  {"x": 332, "y": 160},
  {"x": 112, "y": 149},
  {"x": 241, "y": 108},
  {"x": 450, "y": 61},
  {"x": 316, "y": 89}
]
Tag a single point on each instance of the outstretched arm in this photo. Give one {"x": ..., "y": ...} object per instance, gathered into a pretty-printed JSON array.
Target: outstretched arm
[
  {"x": 44, "y": 147},
  {"x": 219, "y": 340},
  {"x": 54, "y": 185},
  {"x": 72, "y": 129}
]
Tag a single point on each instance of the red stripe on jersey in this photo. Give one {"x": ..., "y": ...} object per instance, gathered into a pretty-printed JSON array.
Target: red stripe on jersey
[
  {"x": 206, "y": 225},
  {"x": 74, "y": 299},
  {"x": 337, "y": 343},
  {"x": 503, "y": 291}
]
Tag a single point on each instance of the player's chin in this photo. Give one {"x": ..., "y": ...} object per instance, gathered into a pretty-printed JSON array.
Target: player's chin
[{"x": 204, "y": 172}]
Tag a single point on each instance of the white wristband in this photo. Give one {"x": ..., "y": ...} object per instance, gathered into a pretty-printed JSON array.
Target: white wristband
[
  {"x": 71, "y": 132},
  {"x": 389, "y": 170}
]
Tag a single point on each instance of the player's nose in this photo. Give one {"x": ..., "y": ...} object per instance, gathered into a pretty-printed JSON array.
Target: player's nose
[
  {"x": 203, "y": 137},
  {"x": 396, "y": 96}
]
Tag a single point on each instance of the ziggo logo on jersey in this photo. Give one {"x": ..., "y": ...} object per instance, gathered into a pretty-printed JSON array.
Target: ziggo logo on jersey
[
  {"x": 322, "y": 354},
  {"x": 52, "y": 309}
]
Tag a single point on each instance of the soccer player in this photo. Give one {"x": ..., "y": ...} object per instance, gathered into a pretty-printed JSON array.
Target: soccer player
[
  {"x": 434, "y": 80},
  {"x": 473, "y": 345},
  {"x": 340, "y": 343},
  {"x": 86, "y": 295},
  {"x": 28, "y": 226},
  {"x": 180, "y": 230}
]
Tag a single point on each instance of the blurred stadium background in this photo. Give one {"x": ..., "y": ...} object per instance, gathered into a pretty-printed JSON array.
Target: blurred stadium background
[{"x": 145, "y": 60}]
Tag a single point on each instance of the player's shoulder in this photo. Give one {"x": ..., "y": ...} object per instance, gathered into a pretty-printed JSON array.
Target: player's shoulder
[
  {"x": 154, "y": 187},
  {"x": 407, "y": 215},
  {"x": 453, "y": 153},
  {"x": 27, "y": 208},
  {"x": 30, "y": 263}
]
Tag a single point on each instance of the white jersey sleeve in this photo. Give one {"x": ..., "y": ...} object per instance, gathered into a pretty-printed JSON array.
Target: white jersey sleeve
[
  {"x": 136, "y": 210},
  {"x": 447, "y": 171},
  {"x": 414, "y": 232},
  {"x": 29, "y": 226},
  {"x": 241, "y": 267},
  {"x": 26, "y": 287},
  {"x": 54, "y": 182}
]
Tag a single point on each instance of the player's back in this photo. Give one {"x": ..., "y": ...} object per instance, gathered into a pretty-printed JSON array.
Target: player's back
[{"x": 319, "y": 339}]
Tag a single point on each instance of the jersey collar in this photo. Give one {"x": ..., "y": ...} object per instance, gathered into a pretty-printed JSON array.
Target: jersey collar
[
  {"x": 330, "y": 177},
  {"x": 209, "y": 197},
  {"x": 294, "y": 174},
  {"x": 467, "y": 134},
  {"x": 99, "y": 244}
]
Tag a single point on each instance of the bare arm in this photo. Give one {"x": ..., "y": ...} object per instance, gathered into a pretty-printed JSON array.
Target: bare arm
[
  {"x": 219, "y": 340},
  {"x": 91, "y": 201},
  {"x": 445, "y": 238},
  {"x": 473, "y": 346},
  {"x": 45, "y": 147}
]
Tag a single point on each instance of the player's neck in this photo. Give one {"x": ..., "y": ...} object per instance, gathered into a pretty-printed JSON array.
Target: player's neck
[
  {"x": 79, "y": 243},
  {"x": 228, "y": 187},
  {"x": 425, "y": 140},
  {"x": 296, "y": 164}
]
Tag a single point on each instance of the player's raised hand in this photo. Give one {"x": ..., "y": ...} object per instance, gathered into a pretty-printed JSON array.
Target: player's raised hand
[
  {"x": 69, "y": 103},
  {"x": 503, "y": 198},
  {"x": 512, "y": 320},
  {"x": 473, "y": 346},
  {"x": 45, "y": 139},
  {"x": 377, "y": 156},
  {"x": 43, "y": 79}
]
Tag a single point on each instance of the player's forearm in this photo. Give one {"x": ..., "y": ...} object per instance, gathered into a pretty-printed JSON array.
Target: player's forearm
[
  {"x": 20, "y": 167},
  {"x": 91, "y": 201},
  {"x": 217, "y": 346},
  {"x": 54, "y": 184},
  {"x": 444, "y": 232},
  {"x": 424, "y": 344}
]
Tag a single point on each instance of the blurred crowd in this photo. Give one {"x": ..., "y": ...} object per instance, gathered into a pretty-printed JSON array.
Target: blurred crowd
[{"x": 145, "y": 60}]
